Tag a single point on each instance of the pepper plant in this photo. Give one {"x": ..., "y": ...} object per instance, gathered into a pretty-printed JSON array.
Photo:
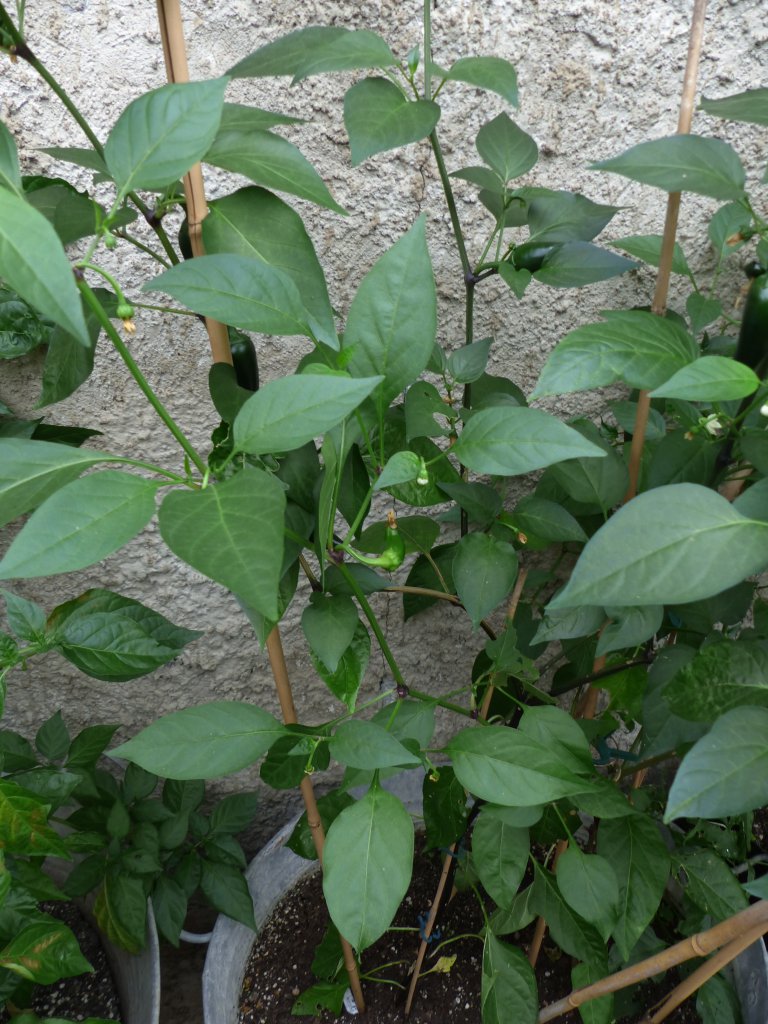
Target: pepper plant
[{"x": 633, "y": 631}]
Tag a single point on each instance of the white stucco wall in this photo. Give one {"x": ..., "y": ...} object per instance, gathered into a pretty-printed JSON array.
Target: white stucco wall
[{"x": 596, "y": 77}]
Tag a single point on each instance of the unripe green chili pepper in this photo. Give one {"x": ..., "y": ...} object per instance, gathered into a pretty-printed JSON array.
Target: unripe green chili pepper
[
  {"x": 533, "y": 255},
  {"x": 185, "y": 243},
  {"x": 392, "y": 556},
  {"x": 244, "y": 359},
  {"x": 752, "y": 348}
]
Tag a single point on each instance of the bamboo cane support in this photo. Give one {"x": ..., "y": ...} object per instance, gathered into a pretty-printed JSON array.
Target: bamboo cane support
[
  {"x": 701, "y": 944},
  {"x": 670, "y": 230}
]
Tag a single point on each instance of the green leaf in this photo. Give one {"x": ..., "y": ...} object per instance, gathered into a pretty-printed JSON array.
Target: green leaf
[
  {"x": 648, "y": 249},
  {"x": 445, "y": 808},
  {"x": 400, "y": 469},
  {"x": 329, "y": 624},
  {"x": 72, "y": 214},
  {"x": 34, "y": 264},
  {"x": 552, "y": 726},
  {"x": 726, "y": 771},
  {"x": 699, "y": 546},
  {"x": 702, "y": 311},
  {"x": 467, "y": 364},
  {"x": 507, "y": 149},
  {"x": 378, "y": 116},
  {"x": 21, "y": 329},
  {"x": 271, "y": 161},
  {"x": 78, "y": 155},
  {"x": 80, "y": 524},
  {"x": 568, "y": 623},
  {"x": 639, "y": 348},
  {"x": 237, "y": 290},
  {"x": 289, "y": 411},
  {"x": 160, "y": 135},
  {"x": 323, "y": 995},
  {"x": 214, "y": 530},
  {"x": 52, "y": 738},
  {"x": 629, "y": 627},
  {"x": 510, "y": 440},
  {"x": 203, "y": 742},
  {"x": 711, "y": 884},
  {"x": 570, "y": 931},
  {"x": 24, "y": 823},
  {"x": 329, "y": 807},
  {"x": 639, "y": 857},
  {"x": 507, "y": 767},
  {"x": 681, "y": 459},
  {"x": 717, "y": 1002},
  {"x": 398, "y": 290},
  {"x": 508, "y": 986},
  {"x": 239, "y": 118},
  {"x": 313, "y": 50},
  {"x": 26, "y": 619},
  {"x": 491, "y": 73},
  {"x": 234, "y": 813},
  {"x": 114, "y": 638},
  {"x": 500, "y": 855},
  {"x": 750, "y": 106},
  {"x": 31, "y": 471},
  {"x": 253, "y": 222},
  {"x": 575, "y": 264},
  {"x": 566, "y": 217},
  {"x": 481, "y": 502},
  {"x": 362, "y": 744},
  {"x": 547, "y": 520},
  {"x": 484, "y": 570},
  {"x": 347, "y": 678},
  {"x": 68, "y": 363},
  {"x": 43, "y": 952},
  {"x": 596, "y": 1011},
  {"x": 10, "y": 174},
  {"x": 710, "y": 379},
  {"x": 367, "y": 866},
  {"x": 723, "y": 675},
  {"x": 169, "y": 906},
  {"x": 225, "y": 888},
  {"x": 589, "y": 886},
  {"x": 682, "y": 163}
]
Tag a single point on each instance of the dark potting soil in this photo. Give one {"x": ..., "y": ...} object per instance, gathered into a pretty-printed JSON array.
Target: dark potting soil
[
  {"x": 85, "y": 995},
  {"x": 279, "y": 966}
]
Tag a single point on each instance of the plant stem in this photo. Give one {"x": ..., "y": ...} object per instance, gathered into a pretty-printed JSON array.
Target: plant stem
[
  {"x": 374, "y": 624},
  {"x": 427, "y": 18},
  {"x": 451, "y": 201},
  {"x": 139, "y": 377}
]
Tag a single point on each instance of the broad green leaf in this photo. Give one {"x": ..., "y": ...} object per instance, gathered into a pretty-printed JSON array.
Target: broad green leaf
[
  {"x": 711, "y": 884},
  {"x": 510, "y": 440},
  {"x": 24, "y": 824},
  {"x": 629, "y": 627},
  {"x": 423, "y": 403},
  {"x": 367, "y": 865},
  {"x": 682, "y": 163},
  {"x": 506, "y": 148},
  {"x": 378, "y": 116},
  {"x": 362, "y": 744},
  {"x": 237, "y": 290},
  {"x": 639, "y": 348},
  {"x": 231, "y": 532},
  {"x": 269, "y": 160},
  {"x": 481, "y": 176},
  {"x": 753, "y": 502},
  {"x": 21, "y": 329},
  {"x": 575, "y": 264},
  {"x": 203, "y": 742},
  {"x": 44, "y": 952},
  {"x": 34, "y": 264},
  {"x": 445, "y": 808},
  {"x": 310, "y": 51},
  {"x": 681, "y": 459},
  {"x": 72, "y": 214},
  {"x": 723, "y": 675},
  {"x": 750, "y": 106},
  {"x": 31, "y": 471},
  {"x": 596, "y": 1011},
  {"x": 290, "y": 411},
  {"x": 506, "y": 767},
  {"x": 567, "y": 623},
  {"x": 468, "y": 363},
  {"x": 639, "y": 857},
  {"x": 68, "y": 363},
  {"x": 648, "y": 249},
  {"x": 718, "y": 1003},
  {"x": 484, "y": 570},
  {"x": 599, "y": 483},
  {"x": 663, "y": 730},
  {"x": 570, "y": 931},
  {"x": 434, "y": 573},
  {"x": 10, "y": 174},
  {"x": 553, "y": 727},
  {"x": 566, "y": 217},
  {"x": 491, "y": 73},
  {"x": 547, "y": 520},
  {"x": 26, "y": 619},
  {"x": 115, "y": 638},
  {"x": 80, "y": 524},
  {"x": 121, "y": 909},
  {"x": 160, "y": 135},
  {"x": 400, "y": 469},
  {"x": 710, "y": 379},
  {"x": 225, "y": 888},
  {"x": 226, "y": 394},
  {"x": 345, "y": 681},
  {"x": 239, "y": 118},
  {"x": 254, "y": 222},
  {"x": 78, "y": 155},
  {"x": 329, "y": 624},
  {"x": 726, "y": 771},
  {"x": 500, "y": 855},
  {"x": 699, "y": 546},
  {"x": 480, "y": 501},
  {"x": 726, "y": 226},
  {"x": 392, "y": 320},
  {"x": 702, "y": 311},
  {"x": 323, "y": 995},
  {"x": 588, "y": 885},
  {"x": 169, "y": 907},
  {"x": 508, "y": 986}
]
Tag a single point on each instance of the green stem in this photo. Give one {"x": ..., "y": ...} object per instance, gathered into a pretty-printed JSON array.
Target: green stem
[
  {"x": 139, "y": 377},
  {"x": 172, "y": 477},
  {"x": 397, "y": 675},
  {"x": 164, "y": 309},
  {"x": 427, "y": 50},
  {"x": 441, "y": 702},
  {"x": 144, "y": 248},
  {"x": 361, "y": 514},
  {"x": 451, "y": 201}
]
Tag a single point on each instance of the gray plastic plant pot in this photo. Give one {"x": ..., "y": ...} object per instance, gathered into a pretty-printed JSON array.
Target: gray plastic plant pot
[{"x": 270, "y": 875}]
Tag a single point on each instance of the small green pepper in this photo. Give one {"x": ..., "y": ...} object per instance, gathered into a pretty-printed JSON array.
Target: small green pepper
[
  {"x": 533, "y": 255},
  {"x": 185, "y": 242},
  {"x": 244, "y": 359},
  {"x": 392, "y": 556},
  {"x": 752, "y": 347}
]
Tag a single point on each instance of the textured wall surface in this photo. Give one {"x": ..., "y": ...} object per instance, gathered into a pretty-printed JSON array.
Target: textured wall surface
[{"x": 596, "y": 77}]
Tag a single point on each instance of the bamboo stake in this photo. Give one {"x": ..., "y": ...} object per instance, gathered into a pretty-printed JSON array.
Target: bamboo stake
[
  {"x": 670, "y": 230},
  {"x": 434, "y": 909},
  {"x": 177, "y": 69},
  {"x": 701, "y": 944}
]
